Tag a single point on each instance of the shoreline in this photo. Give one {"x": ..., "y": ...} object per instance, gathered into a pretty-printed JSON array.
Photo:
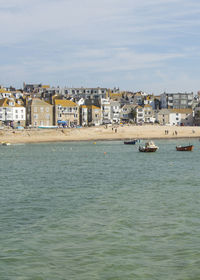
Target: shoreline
[{"x": 100, "y": 133}]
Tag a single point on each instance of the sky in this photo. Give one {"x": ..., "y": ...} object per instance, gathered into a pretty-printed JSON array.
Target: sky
[{"x": 149, "y": 45}]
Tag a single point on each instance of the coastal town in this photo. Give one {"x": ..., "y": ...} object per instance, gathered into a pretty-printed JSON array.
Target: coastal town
[{"x": 43, "y": 106}]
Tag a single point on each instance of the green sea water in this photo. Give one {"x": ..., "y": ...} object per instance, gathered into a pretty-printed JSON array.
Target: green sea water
[{"x": 84, "y": 211}]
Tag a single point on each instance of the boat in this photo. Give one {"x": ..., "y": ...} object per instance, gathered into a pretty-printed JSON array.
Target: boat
[
  {"x": 185, "y": 148},
  {"x": 48, "y": 126},
  {"x": 131, "y": 142},
  {"x": 5, "y": 144},
  {"x": 149, "y": 147}
]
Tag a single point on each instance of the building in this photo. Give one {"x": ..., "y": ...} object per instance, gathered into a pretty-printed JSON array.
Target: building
[
  {"x": 105, "y": 111},
  {"x": 66, "y": 112},
  {"x": 87, "y": 92},
  {"x": 39, "y": 113},
  {"x": 181, "y": 117},
  {"x": 139, "y": 114},
  {"x": 162, "y": 116},
  {"x": 127, "y": 113},
  {"x": 197, "y": 116},
  {"x": 148, "y": 114},
  {"x": 5, "y": 93},
  {"x": 138, "y": 99},
  {"x": 177, "y": 100},
  {"x": 114, "y": 111},
  {"x": 149, "y": 100},
  {"x": 90, "y": 115},
  {"x": 12, "y": 113}
]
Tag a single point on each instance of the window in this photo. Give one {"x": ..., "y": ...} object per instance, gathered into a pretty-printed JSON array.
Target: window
[
  {"x": 183, "y": 102},
  {"x": 16, "y": 111},
  {"x": 35, "y": 116},
  {"x": 35, "y": 110},
  {"x": 47, "y": 116},
  {"x": 41, "y": 109},
  {"x": 22, "y": 117},
  {"x": 47, "y": 109},
  {"x": 16, "y": 117}
]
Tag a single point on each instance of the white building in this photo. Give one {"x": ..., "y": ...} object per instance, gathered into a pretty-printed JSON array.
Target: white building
[
  {"x": 105, "y": 110},
  {"x": 139, "y": 114},
  {"x": 181, "y": 117},
  {"x": 115, "y": 111},
  {"x": 12, "y": 113}
]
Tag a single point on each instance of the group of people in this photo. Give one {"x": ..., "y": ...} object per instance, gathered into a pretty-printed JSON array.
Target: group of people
[{"x": 167, "y": 132}]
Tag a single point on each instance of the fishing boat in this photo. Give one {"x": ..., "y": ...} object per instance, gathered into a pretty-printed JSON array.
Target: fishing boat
[
  {"x": 149, "y": 147},
  {"x": 185, "y": 148}
]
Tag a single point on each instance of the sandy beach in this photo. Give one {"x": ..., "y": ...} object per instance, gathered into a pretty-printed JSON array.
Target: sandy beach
[{"x": 98, "y": 133}]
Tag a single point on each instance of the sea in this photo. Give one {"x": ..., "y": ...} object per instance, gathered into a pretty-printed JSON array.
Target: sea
[{"x": 99, "y": 210}]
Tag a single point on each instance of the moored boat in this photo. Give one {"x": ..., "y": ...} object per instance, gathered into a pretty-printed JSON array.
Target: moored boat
[
  {"x": 131, "y": 142},
  {"x": 149, "y": 147},
  {"x": 5, "y": 144},
  {"x": 185, "y": 148}
]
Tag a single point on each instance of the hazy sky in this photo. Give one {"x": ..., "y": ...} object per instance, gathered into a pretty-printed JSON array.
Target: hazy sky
[{"x": 149, "y": 45}]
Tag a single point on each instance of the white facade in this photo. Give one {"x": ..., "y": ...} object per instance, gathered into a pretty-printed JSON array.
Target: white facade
[
  {"x": 181, "y": 118},
  {"x": 174, "y": 118},
  {"x": 84, "y": 116},
  {"x": 115, "y": 112},
  {"x": 12, "y": 113},
  {"x": 139, "y": 114},
  {"x": 105, "y": 110}
]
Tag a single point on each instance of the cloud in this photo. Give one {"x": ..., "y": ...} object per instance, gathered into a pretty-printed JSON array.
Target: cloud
[{"x": 54, "y": 39}]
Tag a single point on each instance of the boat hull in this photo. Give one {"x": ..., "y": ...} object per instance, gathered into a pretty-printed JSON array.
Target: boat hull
[
  {"x": 184, "y": 148},
  {"x": 130, "y": 142},
  {"x": 147, "y": 150}
]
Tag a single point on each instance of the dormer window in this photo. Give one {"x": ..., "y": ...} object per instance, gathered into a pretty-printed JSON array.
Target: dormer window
[{"x": 11, "y": 103}]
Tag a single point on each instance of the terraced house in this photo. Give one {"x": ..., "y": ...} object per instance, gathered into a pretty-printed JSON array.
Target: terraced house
[
  {"x": 39, "y": 113},
  {"x": 90, "y": 115},
  {"x": 66, "y": 112}
]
